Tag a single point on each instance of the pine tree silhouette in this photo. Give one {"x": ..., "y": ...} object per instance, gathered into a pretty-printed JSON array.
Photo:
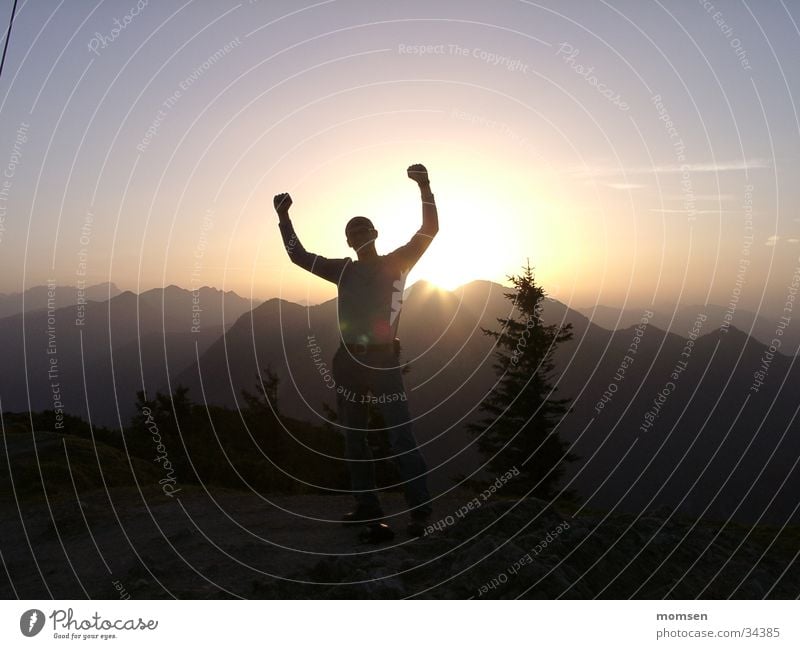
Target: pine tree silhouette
[{"x": 519, "y": 431}]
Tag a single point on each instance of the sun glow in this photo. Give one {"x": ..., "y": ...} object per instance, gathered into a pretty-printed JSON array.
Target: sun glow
[
  {"x": 475, "y": 241},
  {"x": 490, "y": 224}
]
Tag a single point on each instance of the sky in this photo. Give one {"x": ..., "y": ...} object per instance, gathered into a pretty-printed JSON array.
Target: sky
[{"x": 636, "y": 153}]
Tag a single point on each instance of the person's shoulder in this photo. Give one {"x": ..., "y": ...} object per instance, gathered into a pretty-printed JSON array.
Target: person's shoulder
[
  {"x": 391, "y": 257},
  {"x": 345, "y": 263}
]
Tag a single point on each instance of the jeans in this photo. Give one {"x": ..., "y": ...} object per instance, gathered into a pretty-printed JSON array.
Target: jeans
[{"x": 375, "y": 379}]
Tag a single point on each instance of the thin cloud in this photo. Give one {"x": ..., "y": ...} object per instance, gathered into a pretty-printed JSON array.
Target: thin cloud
[
  {"x": 701, "y": 167},
  {"x": 701, "y": 197},
  {"x": 625, "y": 186},
  {"x": 668, "y": 211}
]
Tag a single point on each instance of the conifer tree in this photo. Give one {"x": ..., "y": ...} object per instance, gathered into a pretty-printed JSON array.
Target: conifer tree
[{"x": 518, "y": 434}]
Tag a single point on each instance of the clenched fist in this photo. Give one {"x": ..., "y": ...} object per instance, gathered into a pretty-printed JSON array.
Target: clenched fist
[
  {"x": 418, "y": 173},
  {"x": 282, "y": 203}
]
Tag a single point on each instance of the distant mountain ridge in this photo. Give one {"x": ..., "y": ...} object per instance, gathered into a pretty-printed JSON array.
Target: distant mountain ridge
[
  {"x": 679, "y": 320},
  {"x": 701, "y": 437},
  {"x": 713, "y": 445},
  {"x": 37, "y": 297},
  {"x": 115, "y": 348}
]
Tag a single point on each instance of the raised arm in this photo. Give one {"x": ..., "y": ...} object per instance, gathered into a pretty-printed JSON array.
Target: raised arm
[
  {"x": 430, "y": 218},
  {"x": 329, "y": 269},
  {"x": 410, "y": 253}
]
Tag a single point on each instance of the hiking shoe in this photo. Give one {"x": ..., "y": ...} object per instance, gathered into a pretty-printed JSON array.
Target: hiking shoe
[
  {"x": 376, "y": 533},
  {"x": 361, "y": 516}
]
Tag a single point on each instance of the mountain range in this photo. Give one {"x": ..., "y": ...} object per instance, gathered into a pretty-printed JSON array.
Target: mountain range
[
  {"x": 36, "y": 297},
  {"x": 91, "y": 359},
  {"x": 703, "y": 422},
  {"x": 679, "y": 320}
]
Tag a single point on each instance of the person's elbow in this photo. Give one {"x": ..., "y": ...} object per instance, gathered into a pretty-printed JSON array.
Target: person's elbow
[
  {"x": 298, "y": 257},
  {"x": 430, "y": 229}
]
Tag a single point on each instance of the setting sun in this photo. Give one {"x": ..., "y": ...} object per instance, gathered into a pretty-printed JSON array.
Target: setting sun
[{"x": 457, "y": 255}]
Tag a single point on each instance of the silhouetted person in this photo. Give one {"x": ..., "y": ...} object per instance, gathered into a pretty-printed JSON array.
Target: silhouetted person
[{"x": 366, "y": 366}]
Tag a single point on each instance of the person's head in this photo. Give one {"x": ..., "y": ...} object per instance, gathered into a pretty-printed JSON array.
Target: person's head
[{"x": 360, "y": 232}]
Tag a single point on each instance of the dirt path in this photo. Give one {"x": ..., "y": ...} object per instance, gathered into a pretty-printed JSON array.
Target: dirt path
[
  {"x": 193, "y": 545},
  {"x": 232, "y": 544}
]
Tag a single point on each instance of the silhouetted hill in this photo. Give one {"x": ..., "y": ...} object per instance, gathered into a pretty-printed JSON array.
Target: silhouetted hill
[
  {"x": 183, "y": 309},
  {"x": 451, "y": 364},
  {"x": 486, "y": 300},
  {"x": 682, "y": 423},
  {"x": 761, "y": 327},
  {"x": 715, "y": 448},
  {"x": 103, "y": 353},
  {"x": 711, "y": 433},
  {"x": 36, "y": 297},
  {"x": 46, "y": 460},
  {"x": 688, "y": 444}
]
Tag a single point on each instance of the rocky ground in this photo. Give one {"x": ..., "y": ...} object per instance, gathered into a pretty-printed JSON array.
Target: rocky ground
[
  {"x": 99, "y": 533},
  {"x": 201, "y": 544}
]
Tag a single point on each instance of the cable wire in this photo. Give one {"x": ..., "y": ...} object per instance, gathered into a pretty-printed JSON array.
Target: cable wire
[{"x": 8, "y": 37}]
